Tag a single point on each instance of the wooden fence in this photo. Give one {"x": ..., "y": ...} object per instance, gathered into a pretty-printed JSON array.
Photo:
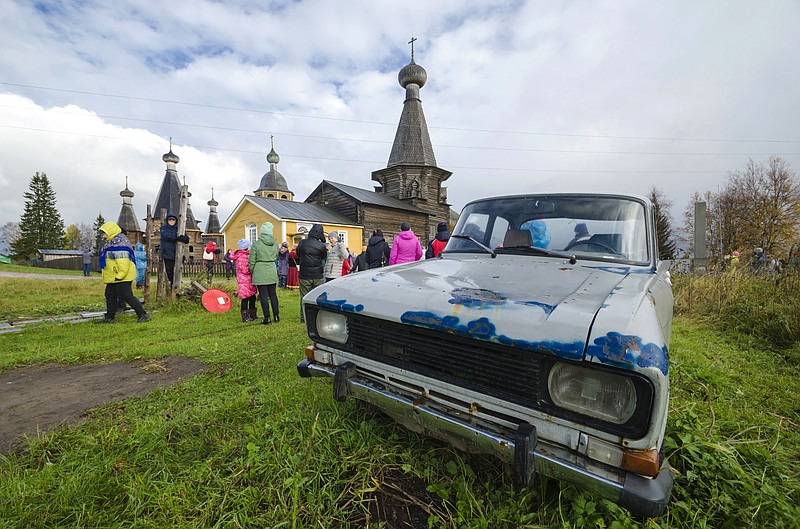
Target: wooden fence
[{"x": 192, "y": 268}]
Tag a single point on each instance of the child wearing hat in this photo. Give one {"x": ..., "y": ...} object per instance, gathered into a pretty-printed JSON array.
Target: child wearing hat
[
  {"x": 246, "y": 291},
  {"x": 283, "y": 264}
]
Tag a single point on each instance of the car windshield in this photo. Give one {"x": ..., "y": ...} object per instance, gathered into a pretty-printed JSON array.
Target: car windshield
[{"x": 592, "y": 227}]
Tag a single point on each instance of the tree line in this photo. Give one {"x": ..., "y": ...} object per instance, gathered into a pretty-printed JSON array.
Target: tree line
[{"x": 757, "y": 207}]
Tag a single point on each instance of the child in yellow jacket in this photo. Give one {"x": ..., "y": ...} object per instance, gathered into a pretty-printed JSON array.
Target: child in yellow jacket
[{"x": 118, "y": 269}]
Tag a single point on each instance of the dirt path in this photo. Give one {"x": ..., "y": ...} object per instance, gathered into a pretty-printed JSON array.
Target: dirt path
[{"x": 41, "y": 397}]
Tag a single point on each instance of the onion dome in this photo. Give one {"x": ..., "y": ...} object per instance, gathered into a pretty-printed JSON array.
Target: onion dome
[
  {"x": 273, "y": 157},
  {"x": 273, "y": 180},
  {"x": 212, "y": 202},
  {"x": 170, "y": 157},
  {"x": 412, "y": 73},
  {"x": 126, "y": 193}
]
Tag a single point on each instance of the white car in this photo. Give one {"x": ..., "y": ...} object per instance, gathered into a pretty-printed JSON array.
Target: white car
[{"x": 539, "y": 335}]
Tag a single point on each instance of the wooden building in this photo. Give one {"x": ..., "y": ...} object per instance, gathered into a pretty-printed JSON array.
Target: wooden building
[
  {"x": 292, "y": 221},
  {"x": 410, "y": 189},
  {"x": 369, "y": 209}
]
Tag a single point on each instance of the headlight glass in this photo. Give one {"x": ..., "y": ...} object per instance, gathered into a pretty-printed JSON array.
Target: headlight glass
[
  {"x": 592, "y": 392},
  {"x": 332, "y": 326}
]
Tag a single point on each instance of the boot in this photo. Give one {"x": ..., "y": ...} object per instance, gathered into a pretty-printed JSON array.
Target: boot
[
  {"x": 277, "y": 318},
  {"x": 245, "y": 315},
  {"x": 266, "y": 320},
  {"x": 253, "y": 314}
]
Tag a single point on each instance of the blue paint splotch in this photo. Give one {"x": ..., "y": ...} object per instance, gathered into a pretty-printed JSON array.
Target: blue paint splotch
[
  {"x": 621, "y": 270},
  {"x": 337, "y": 304},
  {"x": 483, "y": 329},
  {"x": 548, "y": 309},
  {"x": 625, "y": 350},
  {"x": 477, "y": 298}
]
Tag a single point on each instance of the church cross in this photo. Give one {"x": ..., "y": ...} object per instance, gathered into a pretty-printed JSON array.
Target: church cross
[{"x": 412, "y": 46}]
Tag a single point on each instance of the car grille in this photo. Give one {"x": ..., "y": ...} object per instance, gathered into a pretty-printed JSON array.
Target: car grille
[{"x": 502, "y": 372}]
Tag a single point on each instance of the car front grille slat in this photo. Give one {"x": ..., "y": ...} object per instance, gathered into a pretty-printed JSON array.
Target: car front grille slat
[{"x": 503, "y": 372}]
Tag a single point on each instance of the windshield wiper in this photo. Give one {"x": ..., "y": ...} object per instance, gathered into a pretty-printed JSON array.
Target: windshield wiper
[
  {"x": 542, "y": 251},
  {"x": 480, "y": 245}
]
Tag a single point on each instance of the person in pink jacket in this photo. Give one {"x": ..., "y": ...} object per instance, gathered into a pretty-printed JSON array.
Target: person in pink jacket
[
  {"x": 246, "y": 291},
  {"x": 406, "y": 247}
]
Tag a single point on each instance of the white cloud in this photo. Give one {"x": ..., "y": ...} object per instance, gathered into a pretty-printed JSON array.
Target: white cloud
[{"x": 521, "y": 96}]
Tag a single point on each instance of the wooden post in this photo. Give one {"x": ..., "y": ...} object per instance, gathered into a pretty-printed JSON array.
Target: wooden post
[
  {"x": 162, "y": 272},
  {"x": 179, "y": 245},
  {"x": 148, "y": 252}
]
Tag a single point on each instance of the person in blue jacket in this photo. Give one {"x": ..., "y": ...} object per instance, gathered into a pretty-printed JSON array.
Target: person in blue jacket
[
  {"x": 118, "y": 269},
  {"x": 169, "y": 236},
  {"x": 141, "y": 264}
]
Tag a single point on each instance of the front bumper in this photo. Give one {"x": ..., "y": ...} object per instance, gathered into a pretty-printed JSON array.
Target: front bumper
[{"x": 528, "y": 455}]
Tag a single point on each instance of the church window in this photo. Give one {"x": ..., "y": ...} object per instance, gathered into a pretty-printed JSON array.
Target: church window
[{"x": 250, "y": 232}]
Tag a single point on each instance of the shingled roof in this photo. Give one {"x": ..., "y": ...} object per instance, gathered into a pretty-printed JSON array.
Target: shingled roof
[
  {"x": 366, "y": 196},
  {"x": 292, "y": 211},
  {"x": 412, "y": 142}
]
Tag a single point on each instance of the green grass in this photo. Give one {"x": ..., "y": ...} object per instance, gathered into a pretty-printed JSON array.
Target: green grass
[
  {"x": 25, "y": 298},
  {"x": 250, "y": 444},
  {"x": 763, "y": 306},
  {"x": 36, "y": 270}
]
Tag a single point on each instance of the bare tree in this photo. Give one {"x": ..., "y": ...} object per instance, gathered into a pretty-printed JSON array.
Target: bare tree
[
  {"x": 87, "y": 235},
  {"x": 9, "y": 233},
  {"x": 762, "y": 205}
]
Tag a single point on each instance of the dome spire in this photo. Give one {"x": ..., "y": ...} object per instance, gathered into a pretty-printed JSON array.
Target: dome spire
[
  {"x": 170, "y": 157},
  {"x": 126, "y": 193},
  {"x": 412, "y": 142},
  {"x": 272, "y": 157}
]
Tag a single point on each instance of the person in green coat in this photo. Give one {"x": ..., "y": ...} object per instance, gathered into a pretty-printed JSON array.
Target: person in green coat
[{"x": 263, "y": 255}]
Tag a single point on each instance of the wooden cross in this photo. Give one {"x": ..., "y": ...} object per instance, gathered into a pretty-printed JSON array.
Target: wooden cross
[{"x": 412, "y": 46}]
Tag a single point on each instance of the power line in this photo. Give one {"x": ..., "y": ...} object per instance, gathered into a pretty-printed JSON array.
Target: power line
[
  {"x": 438, "y": 146},
  {"x": 378, "y": 163},
  {"x": 306, "y": 116}
]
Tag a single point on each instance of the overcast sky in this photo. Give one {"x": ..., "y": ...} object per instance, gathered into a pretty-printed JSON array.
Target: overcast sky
[{"x": 522, "y": 96}]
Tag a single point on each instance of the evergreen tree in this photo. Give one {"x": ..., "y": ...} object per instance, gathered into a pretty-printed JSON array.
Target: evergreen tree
[
  {"x": 666, "y": 243},
  {"x": 41, "y": 225},
  {"x": 98, "y": 241}
]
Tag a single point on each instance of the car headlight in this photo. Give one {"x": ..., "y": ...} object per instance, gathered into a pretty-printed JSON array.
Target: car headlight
[
  {"x": 592, "y": 392},
  {"x": 332, "y": 326}
]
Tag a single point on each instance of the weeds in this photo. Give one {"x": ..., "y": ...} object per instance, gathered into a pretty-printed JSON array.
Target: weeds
[
  {"x": 250, "y": 444},
  {"x": 764, "y": 306}
]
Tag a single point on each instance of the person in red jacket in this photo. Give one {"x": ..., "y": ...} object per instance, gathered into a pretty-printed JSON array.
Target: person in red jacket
[
  {"x": 439, "y": 242},
  {"x": 209, "y": 256}
]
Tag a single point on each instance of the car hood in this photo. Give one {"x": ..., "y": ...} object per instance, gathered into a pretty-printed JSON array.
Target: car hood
[{"x": 536, "y": 303}]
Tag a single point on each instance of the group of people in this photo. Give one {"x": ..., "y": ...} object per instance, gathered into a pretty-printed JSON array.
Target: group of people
[
  {"x": 261, "y": 267},
  {"x": 320, "y": 262},
  {"x": 286, "y": 264},
  {"x": 257, "y": 275}
]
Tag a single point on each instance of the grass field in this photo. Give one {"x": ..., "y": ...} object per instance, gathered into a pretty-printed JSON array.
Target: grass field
[{"x": 250, "y": 444}]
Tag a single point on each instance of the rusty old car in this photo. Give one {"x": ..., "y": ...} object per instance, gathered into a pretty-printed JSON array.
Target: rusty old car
[{"x": 539, "y": 335}]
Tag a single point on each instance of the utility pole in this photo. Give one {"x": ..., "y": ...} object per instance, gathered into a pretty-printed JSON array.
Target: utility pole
[
  {"x": 148, "y": 252},
  {"x": 179, "y": 245}
]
